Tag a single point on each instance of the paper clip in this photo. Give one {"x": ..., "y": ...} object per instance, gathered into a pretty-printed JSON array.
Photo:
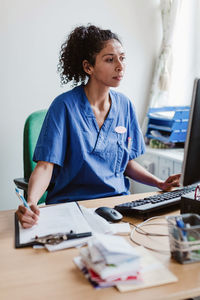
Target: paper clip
[{"x": 197, "y": 192}]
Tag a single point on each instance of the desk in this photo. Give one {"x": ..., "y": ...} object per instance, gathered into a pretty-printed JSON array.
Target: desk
[{"x": 30, "y": 274}]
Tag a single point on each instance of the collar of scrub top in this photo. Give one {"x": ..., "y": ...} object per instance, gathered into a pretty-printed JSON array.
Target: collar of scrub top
[{"x": 88, "y": 109}]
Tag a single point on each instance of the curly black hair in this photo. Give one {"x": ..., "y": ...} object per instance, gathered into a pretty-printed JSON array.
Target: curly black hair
[{"x": 83, "y": 43}]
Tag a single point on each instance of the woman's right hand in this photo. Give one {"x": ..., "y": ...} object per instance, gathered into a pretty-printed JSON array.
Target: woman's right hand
[{"x": 28, "y": 217}]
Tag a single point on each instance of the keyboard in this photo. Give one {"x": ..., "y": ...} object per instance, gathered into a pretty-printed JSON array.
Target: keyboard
[{"x": 150, "y": 205}]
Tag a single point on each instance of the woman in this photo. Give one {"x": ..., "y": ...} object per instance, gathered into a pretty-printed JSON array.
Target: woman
[{"x": 90, "y": 136}]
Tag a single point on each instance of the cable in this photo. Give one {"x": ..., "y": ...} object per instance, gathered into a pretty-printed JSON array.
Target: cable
[{"x": 138, "y": 229}]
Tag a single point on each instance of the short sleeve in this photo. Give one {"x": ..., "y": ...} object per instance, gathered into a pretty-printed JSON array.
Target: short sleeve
[
  {"x": 52, "y": 142},
  {"x": 137, "y": 144}
]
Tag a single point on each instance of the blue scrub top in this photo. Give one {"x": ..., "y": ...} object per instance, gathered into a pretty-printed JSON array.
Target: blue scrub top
[{"x": 88, "y": 162}]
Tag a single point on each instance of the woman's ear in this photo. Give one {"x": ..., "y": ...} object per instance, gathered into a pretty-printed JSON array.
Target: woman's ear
[{"x": 87, "y": 67}]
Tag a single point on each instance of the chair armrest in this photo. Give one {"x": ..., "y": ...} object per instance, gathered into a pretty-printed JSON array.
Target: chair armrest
[{"x": 21, "y": 183}]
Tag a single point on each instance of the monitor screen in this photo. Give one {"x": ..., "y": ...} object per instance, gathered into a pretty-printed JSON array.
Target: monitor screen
[{"x": 191, "y": 161}]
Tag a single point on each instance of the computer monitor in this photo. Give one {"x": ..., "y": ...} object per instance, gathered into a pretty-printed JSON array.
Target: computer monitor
[{"x": 191, "y": 161}]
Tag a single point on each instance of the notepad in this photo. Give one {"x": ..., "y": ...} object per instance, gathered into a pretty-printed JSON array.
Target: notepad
[{"x": 61, "y": 218}]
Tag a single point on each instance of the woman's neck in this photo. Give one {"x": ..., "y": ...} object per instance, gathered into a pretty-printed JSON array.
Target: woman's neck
[
  {"x": 100, "y": 102},
  {"x": 97, "y": 96}
]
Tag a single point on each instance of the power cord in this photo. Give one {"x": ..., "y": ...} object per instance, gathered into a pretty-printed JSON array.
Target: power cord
[{"x": 140, "y": 230}]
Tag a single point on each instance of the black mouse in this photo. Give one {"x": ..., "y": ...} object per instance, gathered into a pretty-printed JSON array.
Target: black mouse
[{"x": 109, "y": 214}]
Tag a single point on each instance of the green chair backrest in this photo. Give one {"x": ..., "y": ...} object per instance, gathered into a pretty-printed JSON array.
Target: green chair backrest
[{"x": 32, "y": 129}]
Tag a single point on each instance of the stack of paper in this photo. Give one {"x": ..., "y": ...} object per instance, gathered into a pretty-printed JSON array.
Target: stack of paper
[
  {"x": 108, "y": 260},
  {"x": 153, "y": 273}
]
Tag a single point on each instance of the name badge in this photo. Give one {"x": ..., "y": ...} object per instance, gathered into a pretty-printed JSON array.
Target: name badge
[{"x": 120, "y": 129}]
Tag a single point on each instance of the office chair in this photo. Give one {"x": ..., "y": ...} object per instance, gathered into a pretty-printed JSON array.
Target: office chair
[{"x": 32, "y": 129}]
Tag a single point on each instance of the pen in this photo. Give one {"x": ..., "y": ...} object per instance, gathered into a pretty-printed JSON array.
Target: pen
[
  {"x": 129, "y": 143},
  {"x": 78, "y": 235},
  {"x": 53, "y": 239},
  {"x": 181, "y": 225},
  {"x": 22, "y": 198},
  {"x": 197, "y": 193},
  {"x": 185, "y": 254}
]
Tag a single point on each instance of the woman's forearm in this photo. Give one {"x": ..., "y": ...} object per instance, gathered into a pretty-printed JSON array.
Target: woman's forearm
[
  {"x": 138, "y": 173},
  {"x": 39, "y": 181}
]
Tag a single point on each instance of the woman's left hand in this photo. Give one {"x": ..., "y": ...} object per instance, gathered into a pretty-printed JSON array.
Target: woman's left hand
[{"x": 171, "y": 182}]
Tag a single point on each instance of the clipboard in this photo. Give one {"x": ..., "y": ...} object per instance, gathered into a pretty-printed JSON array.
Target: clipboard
[
  {"x": 17, "y": 234},
  {"x": 53, "y": 219}
]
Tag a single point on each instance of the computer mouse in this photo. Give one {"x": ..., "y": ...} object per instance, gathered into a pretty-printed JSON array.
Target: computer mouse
[{"x": 110, "y": 214}]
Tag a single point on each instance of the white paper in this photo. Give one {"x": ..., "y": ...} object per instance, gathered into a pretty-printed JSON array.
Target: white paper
[
  {"x": 112, "y": 249},
  {"x": 105, "y": 270},
  {"x": 68, "y": 244},
  {"x": 100, "y": 225},
  {"x": 59, "y": 218},
  {"x": 114, "y": 244},
  {"x": 121, "y": 228},
  {"x": 96, "y": 222},
  {"x": 163, "y": 114}
]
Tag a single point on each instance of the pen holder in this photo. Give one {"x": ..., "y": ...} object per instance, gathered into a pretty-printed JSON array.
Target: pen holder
[{"x": 184, "y": 241}]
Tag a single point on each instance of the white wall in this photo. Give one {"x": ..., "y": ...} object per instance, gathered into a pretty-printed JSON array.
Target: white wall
[{"x": 31, "y": 34}]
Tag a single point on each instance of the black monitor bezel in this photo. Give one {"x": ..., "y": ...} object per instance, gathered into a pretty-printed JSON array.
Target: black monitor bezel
[{"x": 190, "y": 174}]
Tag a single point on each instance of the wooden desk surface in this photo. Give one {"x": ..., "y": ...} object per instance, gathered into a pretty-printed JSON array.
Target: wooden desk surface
[{"x": 29, "y": 274}]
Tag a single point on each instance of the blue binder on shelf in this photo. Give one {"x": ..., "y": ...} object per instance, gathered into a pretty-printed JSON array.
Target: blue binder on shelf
[{"x": 168, "y": 124}]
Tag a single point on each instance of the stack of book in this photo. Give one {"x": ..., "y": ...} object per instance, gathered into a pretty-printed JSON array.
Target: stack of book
[{"x": 109, "y": 260}]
